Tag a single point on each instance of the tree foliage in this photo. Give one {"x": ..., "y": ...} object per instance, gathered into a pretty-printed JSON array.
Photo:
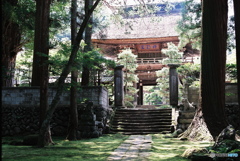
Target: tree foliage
[
  {"x": 18, "y": 24},
  {"x": 128, "y": 59},
  {"x": 231, "y": 72},
  {"x": 189, "y": 76},
  {"x": 151, "y": 96},
  {"x": 189, "y": 27},
  {"x": 189, "y": 73},
  {"x": 174, "y": 56},
  {"x": 163, "y": 84},
  {"x": 172, "y": 53}
]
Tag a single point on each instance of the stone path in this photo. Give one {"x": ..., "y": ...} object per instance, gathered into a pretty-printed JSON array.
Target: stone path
[{"x": 135, "y": 148}]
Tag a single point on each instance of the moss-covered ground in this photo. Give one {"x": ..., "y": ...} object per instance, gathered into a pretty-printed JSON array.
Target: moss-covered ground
[
  {"x": 171, "y": 149},
  {"x": 163, "y": 149},
  {"x": 82, "y": 150}
]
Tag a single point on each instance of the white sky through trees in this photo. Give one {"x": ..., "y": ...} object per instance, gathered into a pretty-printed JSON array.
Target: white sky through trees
[{"x": 134, "y": 2}]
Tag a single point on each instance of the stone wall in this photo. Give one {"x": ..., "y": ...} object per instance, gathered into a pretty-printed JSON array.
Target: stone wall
[
  {"x": 230, "y": 96},
  {"x": 231, "y": 93},
  {"x": 231, "y": 100},
  {"x": 20, "y": 110},
  {"x": 184, "y": 119},
  {"x": 29, "y": 96},
  {"x": 24, "y": 120}
]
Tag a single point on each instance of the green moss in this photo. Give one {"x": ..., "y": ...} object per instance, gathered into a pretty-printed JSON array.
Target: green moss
[
  {"x": 226, "y": 146},
  {"x": 164, "y": 149},
  {"x": 171, "y": 149},
  {"x": 88, "y": 149}
]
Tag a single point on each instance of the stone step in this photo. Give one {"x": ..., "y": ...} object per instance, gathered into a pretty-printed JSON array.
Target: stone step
[
  {"x": 145, "y": 133},
  {"x": 143, "y": 117},
  {"x": 143, "y": 130},
  {"x": 142, "y": 110},
  {"x": 141, "y": 114},
  {"x": 141, "y": 121},
  {"x": 138, "y": 127},
  {"x": 141, "y": 124},
  {"x": 146, "y": 106}
]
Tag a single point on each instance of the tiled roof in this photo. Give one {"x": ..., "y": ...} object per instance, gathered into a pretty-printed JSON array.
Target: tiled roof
[{"x": 147, "y": 27}]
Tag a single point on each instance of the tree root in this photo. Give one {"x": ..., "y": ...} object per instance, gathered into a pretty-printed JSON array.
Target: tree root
[{"x": 197, "y": 131}]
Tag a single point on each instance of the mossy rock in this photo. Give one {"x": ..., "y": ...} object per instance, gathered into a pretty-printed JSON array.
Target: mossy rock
[
  {"x": 226, "y": 146},
  {"x": 194, "y": 151}
]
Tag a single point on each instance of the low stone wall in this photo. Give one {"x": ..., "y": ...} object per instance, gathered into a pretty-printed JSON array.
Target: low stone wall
[
  {"x": 22, "y": 120},
  {"x": 29, "y": 96},
  {"x": 231, "y": 95},
  {"x": 20, "y": 110},
  {"x": 232, "y": 112},
  {"x": 185, "y": 119}
]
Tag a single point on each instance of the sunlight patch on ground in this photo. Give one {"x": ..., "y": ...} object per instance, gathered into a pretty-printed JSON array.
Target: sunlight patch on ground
[{"x": 171, "y": 149}]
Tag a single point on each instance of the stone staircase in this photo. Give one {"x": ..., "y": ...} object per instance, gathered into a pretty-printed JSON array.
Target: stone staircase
[{"x": 144, "y": 120}]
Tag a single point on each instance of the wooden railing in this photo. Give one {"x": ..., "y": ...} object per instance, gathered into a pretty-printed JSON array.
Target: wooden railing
[
  {"x": 159, "y": 60},
  {"x": 149, "y": 60}
]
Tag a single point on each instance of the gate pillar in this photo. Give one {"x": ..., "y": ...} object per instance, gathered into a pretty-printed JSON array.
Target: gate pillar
[
  {"x": 173, "y": 84},
  {"x": 118, "y": 87}
]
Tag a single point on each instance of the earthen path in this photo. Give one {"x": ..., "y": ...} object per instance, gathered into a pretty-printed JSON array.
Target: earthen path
[{"x": 135, "y": 148}]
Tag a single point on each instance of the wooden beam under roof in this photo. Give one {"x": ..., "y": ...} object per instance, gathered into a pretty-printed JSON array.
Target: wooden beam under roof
[{"x": 136, "y": 41}]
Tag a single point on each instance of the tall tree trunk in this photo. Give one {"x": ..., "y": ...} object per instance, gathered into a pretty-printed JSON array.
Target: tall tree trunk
[
  {"x": 88, "y": 41},
  {"x": 73, "y": 117},
  {"x": 85, "y": 75},
  {"x": 11, "y": 36},
  {"x": 65, "y": 72},
  {"x": 214, "y": 46},
  {"x": 40, "y": 58},
  {"x": 41, "y": 40},
  {"x": 8, "y": 68},
  {"x": 237, "y": 32},
  {"x": 210, "y": 112}
]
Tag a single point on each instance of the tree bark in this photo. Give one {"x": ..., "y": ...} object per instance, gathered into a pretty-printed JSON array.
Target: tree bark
[
  {"x": 11, "y": 36},
  {"x": 237, "y": 33},
  {"x": 40, "y": 58},
  {"x": 210, "y": 112},
  {"x": 85, "y": 75},
  {"x": 41, "y": 41},
  {"x": 88, "y": 41},
  {"x": 63, "y": 76},
  {"x": 213, "y": 64},
  {"x": 73, "y": 114}
]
